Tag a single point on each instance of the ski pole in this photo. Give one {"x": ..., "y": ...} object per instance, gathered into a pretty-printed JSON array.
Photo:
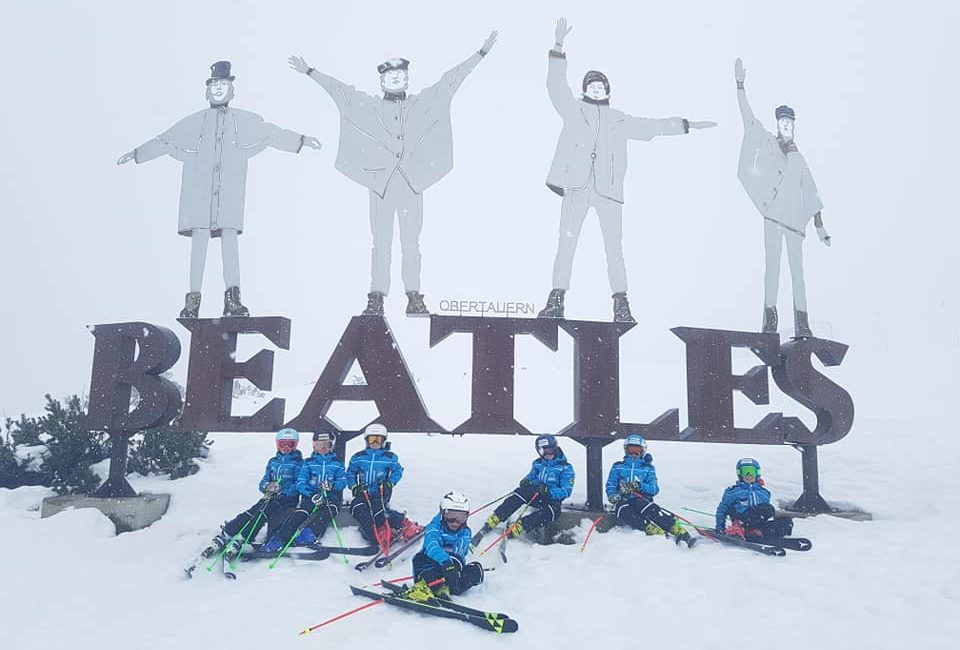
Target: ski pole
[
  {"x": 355, "y": 610},
  {"x": 696, "y": 527},
  {"x": 386, "y": 519},
  {"x": 373, "y": 523},
  {"x": 253, "y": 529},
  {"x": 511, "y": 526},
  {"x": 487, "y": 505},
  {"x": 296, "y": 534},
  {"x": 699, "y": 512},
  {"x": 333, "y": 520},
  {"x": 226, "y": 546},
  {"x": 590, "y": 532}
]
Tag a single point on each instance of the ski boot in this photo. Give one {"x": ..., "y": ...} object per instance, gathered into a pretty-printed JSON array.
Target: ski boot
[
  {"x": 415, "y": 306},
  {"x": 191, "y": 307},
  {"x": 232, "y": 551},
  {"x": 653, "y": 529},
  {"x": 442, "y": 591},
  {"x": 231, "y": 303},
  {"x": 554, "y": 306},
  {"x": 419, "y": 592},
  {"x": 680, "y": 535},
  {"x": 492, "y": 521},
  {"x": 621, "y": 309},
  {"x": 735, "y": 529},
  {"x": 215, "y": 544},
  {"x": 409, "y": 529},
  {"x": 273, "y": 545},
  {"x": 374, "y": 304},
  {"x": 306, "y": 537},
  {"x": 516, "y": 529}
]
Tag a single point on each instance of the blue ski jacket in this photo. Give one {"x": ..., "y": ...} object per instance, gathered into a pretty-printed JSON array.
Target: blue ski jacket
[
  {"x": 738, "y": 498},
  {"x": 439, "y": 542},
  {"x": 322, "y": 468},
  {"x": 557, "y": 474},
  {"x": 371, "y": 467},
  {"x": 633, "y": 470},
  {"x": 283, "y": 469}
]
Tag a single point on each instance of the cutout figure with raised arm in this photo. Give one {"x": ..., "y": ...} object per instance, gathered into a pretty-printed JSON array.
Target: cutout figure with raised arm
[{"x": 396, "y": 145}]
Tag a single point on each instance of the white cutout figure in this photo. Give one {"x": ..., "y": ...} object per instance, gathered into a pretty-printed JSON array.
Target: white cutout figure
[
  {"x": 214, "y": 146},
  {"x": 588, "y": 169},
  {"x": 778, "y": 181},
  {"x": 396, "y": 145}
]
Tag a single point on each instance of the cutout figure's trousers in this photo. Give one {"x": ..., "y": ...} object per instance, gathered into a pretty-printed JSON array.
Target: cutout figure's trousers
[
  {"x": 399, "y": 198},
  {"x": 773, "y": 237},
  {"x": 230, "y": 251},
  {"x": 576, "y": 204}
]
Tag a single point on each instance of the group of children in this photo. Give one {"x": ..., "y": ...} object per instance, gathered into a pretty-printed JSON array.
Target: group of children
[{"x": 302, "y": 496}]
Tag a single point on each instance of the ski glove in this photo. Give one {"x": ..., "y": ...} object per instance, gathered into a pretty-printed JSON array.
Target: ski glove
[
  {"x": 629, "y": 487},
  {"x": 272, "y": 488},
  {"x": 326, "y": 486},
  {"x": 357, "y": 489},
  {"x": 544, "y": 491},
  {"x": 386, "y": 488},
  {"x": 451, "y": 575},
  {"x": 318, "y": 499}
]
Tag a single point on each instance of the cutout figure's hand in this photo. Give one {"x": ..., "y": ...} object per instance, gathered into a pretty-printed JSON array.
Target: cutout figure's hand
[
  {"x": 739, "y": 73},
  {"x": 310, "y": 141},
  {"x": 702, "y": 125},
  {"x": 824, "y": 237},
  {"x": 127, "y": 157},
  {"x": 299, "y": 64},
  {"x": 560, "y": 33},
  {"x": 490, "y": 42}
]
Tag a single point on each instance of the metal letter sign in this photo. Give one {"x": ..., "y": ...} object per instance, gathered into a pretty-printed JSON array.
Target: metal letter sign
[{"x": 369, "y": 342}]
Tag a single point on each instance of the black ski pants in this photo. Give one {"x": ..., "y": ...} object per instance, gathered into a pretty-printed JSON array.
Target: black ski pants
[
  {"x": 761, "y": 518},
  {"x": 376, "y": 512},
  {"x": 321, "y": 516},
  {"x": 638, "y": 511},
  {"x": 545, "y": 513},
  {"x": 274, "y": 511},
  {"x": 466, "y": 575}
]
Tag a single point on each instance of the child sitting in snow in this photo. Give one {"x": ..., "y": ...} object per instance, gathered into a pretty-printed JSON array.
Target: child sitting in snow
[{"x": 747, "y": 503}]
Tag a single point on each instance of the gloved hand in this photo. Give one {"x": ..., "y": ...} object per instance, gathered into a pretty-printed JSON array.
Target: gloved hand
[
  {"x": 822, "y": 234},
  {"x": 357, "y": 489},
  {"x": 544, "y": 491},
  {"x": 629, "y": 487},
  {"x": 386, "y": 488},
  {"x": 615, "y": 499},
  {"x": 451, "y": 575},
  {"x": 318, "y": 499},
  {"x": 525, "y": 482},
  {"x": 739, "y": 74},
  {"x": 326, "y": 486},
  {"x": 272, "y": 488}
]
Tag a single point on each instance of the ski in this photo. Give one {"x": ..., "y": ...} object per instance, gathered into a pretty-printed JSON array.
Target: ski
[
  {"x": 759, "y": 547},
  {"x": 503, "y": 549},
  {"x": 478, "y": 537},
  {"x": 228, "y": 573},
  {"x": 360, "y": 566},
  {"x": 487, "y": 621},
  {"x": 322, "y": 548},
  {"x": 789, "y": 543},
  {"x": 384, "y": 560},
  {"x": 448, "y": 604},
  {"x": 297, "y": 554}
]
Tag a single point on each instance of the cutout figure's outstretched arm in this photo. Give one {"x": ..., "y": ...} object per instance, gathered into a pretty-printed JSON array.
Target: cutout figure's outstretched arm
[
  {"x": 451, "y": 80},
  {"x": 342, "y": 94},
  {"x": 561, "y": 96},
  {"x": 179, "y": 141},
  {"x": 745, "y": 111}
]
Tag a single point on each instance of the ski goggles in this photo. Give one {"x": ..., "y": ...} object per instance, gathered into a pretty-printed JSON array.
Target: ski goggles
[
  {"x": 749, "y": 470},
  {"x": 376, "y": 438},
  {"x": 286, "y": 445},
  {"x": 635, "y": 450},
  {"x": 455, "y": 517}
]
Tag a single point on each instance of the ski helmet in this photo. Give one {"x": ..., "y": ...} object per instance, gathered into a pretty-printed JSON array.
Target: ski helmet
[
  {"x": 287, "y": 438},
  {"x": 454, "y": 501},
  {"x": 748, "y": 462},
  {"x": 635, "y": 439},
  {"x": 374, "y": 429},
  {"x": 544, "y": 443},
  {"x": 325, "y": 436}
]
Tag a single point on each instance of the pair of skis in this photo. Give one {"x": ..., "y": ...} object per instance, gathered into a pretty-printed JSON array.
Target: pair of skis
[
  {"x": 776, "y": 546},
  {"x": 491, "y": 621},
  {"x": 314, "y": 552}
]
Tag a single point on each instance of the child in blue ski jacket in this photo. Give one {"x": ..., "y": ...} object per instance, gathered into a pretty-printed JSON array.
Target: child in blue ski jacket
[
  {"x": 279, "y": 488},
  {"x": 319, "y": 485},
  {"x": 631, "y": 486},
  {"x": 446, "y": 542},
  {"x": 546, "y": 485},
  {"x": 371, "y": 477},
  {"x": 747, "y": 503}
]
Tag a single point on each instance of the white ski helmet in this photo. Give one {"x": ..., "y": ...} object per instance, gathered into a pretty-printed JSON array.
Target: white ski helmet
[
  {"x": 454, "y": 501},
  {"x": 375, "y": 429}
]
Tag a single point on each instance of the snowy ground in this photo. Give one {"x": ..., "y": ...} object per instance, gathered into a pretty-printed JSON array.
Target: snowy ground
[{"x": 888, "y": 583}]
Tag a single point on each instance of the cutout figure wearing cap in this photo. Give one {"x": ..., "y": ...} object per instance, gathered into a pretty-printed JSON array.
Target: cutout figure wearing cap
[
  {"x": 588, "y": 169},
  {"x": 396, "y": 145},
  {"x": 778, "y": 181},
  {"x": 214, "y": 146}
]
